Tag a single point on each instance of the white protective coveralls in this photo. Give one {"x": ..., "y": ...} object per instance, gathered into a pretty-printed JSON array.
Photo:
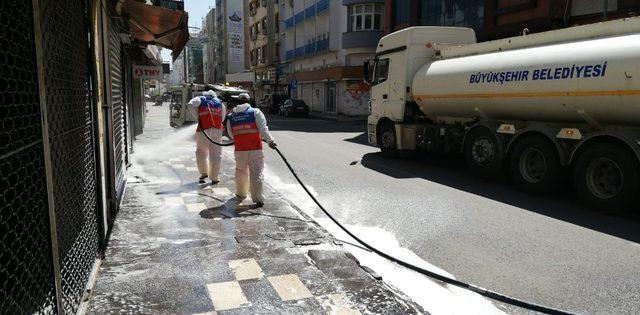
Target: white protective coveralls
[
  {"x": 204, "y": 147},
  {"x": 250, "y": 164}
]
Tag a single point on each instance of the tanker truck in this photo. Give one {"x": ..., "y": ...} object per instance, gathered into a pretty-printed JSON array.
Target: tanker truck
[{"x": 549, "y": 109}]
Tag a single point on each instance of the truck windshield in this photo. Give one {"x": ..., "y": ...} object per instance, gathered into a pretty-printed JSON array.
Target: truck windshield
[{"x": 381, "y": 71}]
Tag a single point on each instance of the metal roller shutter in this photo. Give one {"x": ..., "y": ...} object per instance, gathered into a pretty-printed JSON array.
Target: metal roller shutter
[
  {"x": 26, "y": 265},
  {"x": 71, "y": 144},
  {"x": 118, "y": 111}
]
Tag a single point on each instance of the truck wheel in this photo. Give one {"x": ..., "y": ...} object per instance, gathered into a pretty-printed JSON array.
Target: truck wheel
[
  {"x": 387, "y": 139},
  {"x": 483, "y": 154},
  {"x": 535, "y": 166},
  {"x": 607, "y": 178}
]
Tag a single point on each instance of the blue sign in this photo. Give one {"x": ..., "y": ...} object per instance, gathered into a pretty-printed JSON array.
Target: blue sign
[{"x": 293, "y": 84}]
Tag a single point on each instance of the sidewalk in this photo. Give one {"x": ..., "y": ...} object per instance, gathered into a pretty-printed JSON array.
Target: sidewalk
[{"x": 179, "y": 247}]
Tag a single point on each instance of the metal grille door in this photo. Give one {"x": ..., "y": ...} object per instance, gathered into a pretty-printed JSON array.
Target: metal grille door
[
  {"x": 118, "y": 111},
  {"x": 26, "y": 265},
  {"x": 64, "y": 40}
]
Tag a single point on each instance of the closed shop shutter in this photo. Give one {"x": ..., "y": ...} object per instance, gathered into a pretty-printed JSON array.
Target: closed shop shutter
[{"x": 118, "y": 111}]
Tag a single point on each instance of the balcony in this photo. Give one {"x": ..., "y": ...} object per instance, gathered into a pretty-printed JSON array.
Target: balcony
[
  {"x": 361, "y": 39},
  {"x": 310, "y": 11},
  {"x": 310, "y": 48},
  {"x": 290, "y": 54},
  {"x": 322, "y": 5},
  {"x": 299, "y": 18},
  {"x": 289, "y": 22},
  {"x": 322, "y": 45}
]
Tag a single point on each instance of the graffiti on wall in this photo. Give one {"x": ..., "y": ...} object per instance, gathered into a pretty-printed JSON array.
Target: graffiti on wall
[{"x": 356, "y": 98}]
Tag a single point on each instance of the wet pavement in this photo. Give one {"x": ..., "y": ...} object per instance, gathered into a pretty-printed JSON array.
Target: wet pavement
[
  {"x": 548, "y": 250},
  {"x": 179, "y": 247}
]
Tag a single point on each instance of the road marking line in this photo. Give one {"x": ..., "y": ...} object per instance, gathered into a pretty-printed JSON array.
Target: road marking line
[
  {"x": 178, "y": 166},
  {"x": 196, "y": 207},
  {"x": 173, "y": 201},
  {"x": 206, "y": 313},
  {"x": 191, "y": 169},
  {"x": 245, "y": 269},
  {"x": 226, "y": 295},
  {"x": 289, "y": 287}
]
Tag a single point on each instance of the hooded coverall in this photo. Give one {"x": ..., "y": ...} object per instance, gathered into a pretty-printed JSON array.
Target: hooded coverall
[
  {"x": 248, "y": 126},
  {"x": 210, "y": 112}
]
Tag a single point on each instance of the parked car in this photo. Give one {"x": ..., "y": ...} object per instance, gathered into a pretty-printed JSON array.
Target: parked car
[
  {"x": 271, "y": 103},
  {"x": 292, "y": 107}
]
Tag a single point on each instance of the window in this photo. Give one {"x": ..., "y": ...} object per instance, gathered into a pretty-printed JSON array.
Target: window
[
  {"x": 401, "y": 10},
  {"x": 381, "y": 71},
  {"x": 468, "y": 13},
  {"x": 366, "y": 17}
]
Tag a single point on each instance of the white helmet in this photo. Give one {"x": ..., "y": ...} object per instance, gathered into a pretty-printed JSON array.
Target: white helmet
[
  {"x": 244, "y": 96},
  {"x": 210, "y": 93}
]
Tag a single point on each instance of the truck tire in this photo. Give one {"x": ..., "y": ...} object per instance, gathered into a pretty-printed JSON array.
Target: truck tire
[
  {"x": 607, "y": 178},
  {"x": 483, "y": 154},
  {"x": 535, "y": 166},
  {"x": 387, "y": 139}
]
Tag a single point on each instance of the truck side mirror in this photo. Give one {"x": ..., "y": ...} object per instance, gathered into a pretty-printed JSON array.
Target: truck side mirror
[{"x": 366, "y": 76}]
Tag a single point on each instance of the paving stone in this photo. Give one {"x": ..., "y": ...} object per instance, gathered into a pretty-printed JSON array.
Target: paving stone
[
  {"x": 327, "y": 259},
  {"x": 346, "y": 273},
  {"x": 166, "y": 256}
]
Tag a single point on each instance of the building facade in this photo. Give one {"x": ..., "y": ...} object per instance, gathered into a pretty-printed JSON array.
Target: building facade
[
  {"x": 188, "y": 67},
  {"x": 263, "y": 45},
  {"x": 230, "y": 53},
  {"x": 324, "y": 44},
  {"x": 494, "y": 19},
  {"x": 209, "y": 50},
  {"x": 74, "y": 102}
]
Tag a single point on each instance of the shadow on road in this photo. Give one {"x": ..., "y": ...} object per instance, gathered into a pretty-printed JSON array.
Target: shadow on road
[
  {"x": 313, "y": 125},
  {"x": 449, "y": 170}
]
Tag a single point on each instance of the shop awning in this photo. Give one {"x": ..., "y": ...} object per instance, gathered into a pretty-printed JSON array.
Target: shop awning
[{"x": 160, "y": 26}]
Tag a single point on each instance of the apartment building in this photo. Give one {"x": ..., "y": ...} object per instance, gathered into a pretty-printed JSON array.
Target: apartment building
[
  {"x": 324, "y": 44},
  {"x": 209, "y": 50},
  {"x": 230, "y": 51},
  {"x": 263, "y": 45},
  {"x": 494, "y": 19}
]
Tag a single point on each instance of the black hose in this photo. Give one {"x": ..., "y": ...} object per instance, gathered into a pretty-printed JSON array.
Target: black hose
[
  {"x": 471, "y": 287},
  {"x": 222, "y": 144}
]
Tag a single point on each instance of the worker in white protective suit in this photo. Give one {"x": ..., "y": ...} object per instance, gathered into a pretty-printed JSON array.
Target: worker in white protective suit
[
  {"x": 248, "y": 127},
  {"x": 210, "y": 112}
]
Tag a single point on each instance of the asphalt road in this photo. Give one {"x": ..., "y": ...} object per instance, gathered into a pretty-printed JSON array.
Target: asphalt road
[{"x": 548, "y": 250}]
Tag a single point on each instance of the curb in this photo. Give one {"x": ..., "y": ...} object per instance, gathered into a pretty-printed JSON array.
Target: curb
[{"x": 339, "y": 118}]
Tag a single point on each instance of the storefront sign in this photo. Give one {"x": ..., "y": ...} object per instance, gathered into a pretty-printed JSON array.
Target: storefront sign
[{"x": 147, "y": 72}]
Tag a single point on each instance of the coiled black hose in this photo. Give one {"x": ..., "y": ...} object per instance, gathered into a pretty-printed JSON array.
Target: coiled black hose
[{"x": 471, "y": 287}]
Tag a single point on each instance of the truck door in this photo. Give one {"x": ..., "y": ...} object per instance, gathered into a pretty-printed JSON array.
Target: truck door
[{"x": 380, "y": 87}]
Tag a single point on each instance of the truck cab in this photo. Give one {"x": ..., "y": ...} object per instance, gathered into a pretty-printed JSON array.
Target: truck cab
[{"x": 398, "y": 57}]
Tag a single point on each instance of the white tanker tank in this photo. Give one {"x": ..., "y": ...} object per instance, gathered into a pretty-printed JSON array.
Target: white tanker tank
[
  {"x": 541, "y": 106},
  {"x": 597, "y": 79}
]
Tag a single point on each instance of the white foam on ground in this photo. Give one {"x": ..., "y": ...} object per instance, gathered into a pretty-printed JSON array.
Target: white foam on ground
[{"x": 433, "y": 296}]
